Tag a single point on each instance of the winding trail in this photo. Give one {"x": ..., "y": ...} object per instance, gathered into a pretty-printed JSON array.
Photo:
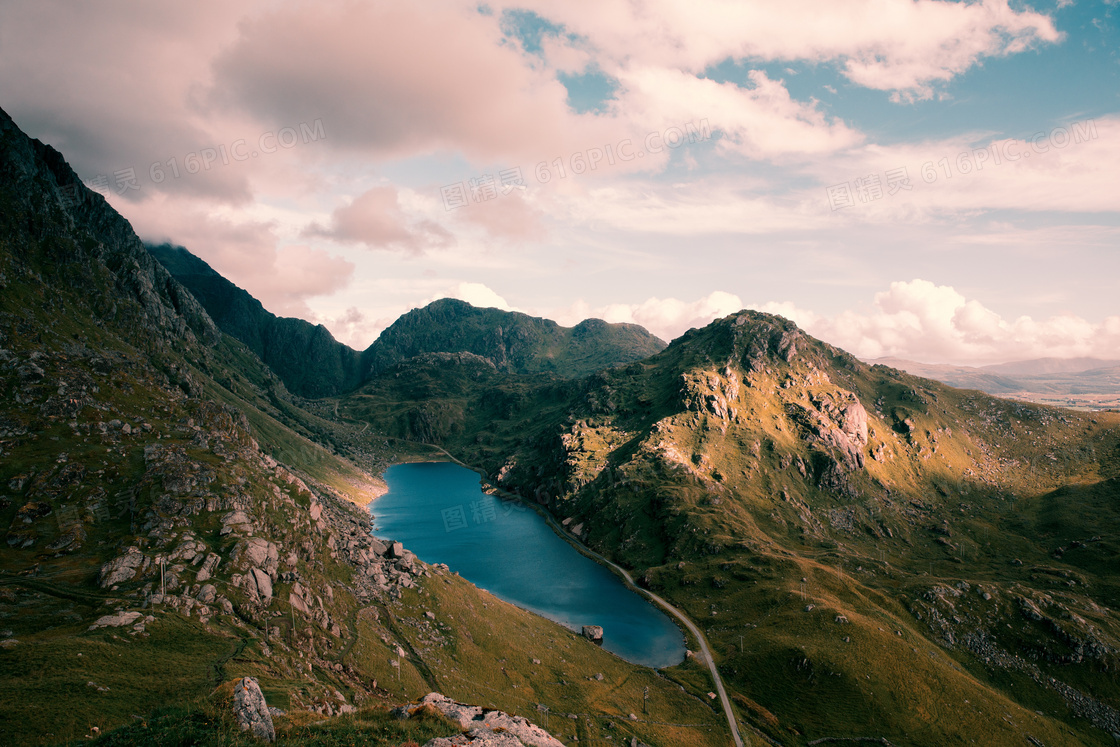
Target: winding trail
[
  {"x": 622, "y": 572},
  {"x": 731, "y": 722}
]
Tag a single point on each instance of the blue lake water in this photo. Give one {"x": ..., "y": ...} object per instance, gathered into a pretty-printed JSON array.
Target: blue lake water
[{"x": 439, "y": 512}]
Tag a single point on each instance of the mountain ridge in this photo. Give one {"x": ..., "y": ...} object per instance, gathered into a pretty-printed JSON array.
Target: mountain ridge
[
  {"x": 305, "y": 356},
  {"x": 313, "y": 364},
  {"x": 869, "y": 554}
]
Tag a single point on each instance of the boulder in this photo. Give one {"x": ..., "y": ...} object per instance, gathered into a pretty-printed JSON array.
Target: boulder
[
  {"x": 118, "y": 620},
  {"x": 207, "y": 594},
  {"x": 251, "y": 710},
  {"x": 208, "y": 566},
  {"x": 593, "y": 633},
  {"x": 257, "y": 552},
  {"x": 258, "y": 583},
  {"x": 121, "y": 569},
  {"x": 295, "y": 598},
  {"x": 396, "y": 550}
]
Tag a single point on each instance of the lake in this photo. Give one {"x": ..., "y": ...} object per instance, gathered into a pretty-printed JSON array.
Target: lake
[{"x": 439, "y": 512}]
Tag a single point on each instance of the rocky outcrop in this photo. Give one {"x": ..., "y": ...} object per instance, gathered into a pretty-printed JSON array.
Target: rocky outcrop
[
  {"x": 251, "y": 710},
  {"x": 835, "y": 422},
  {"x": 483, "y": 728},
  {"x": 123, "y": 568},
  {"x": 259, "y": 585},
  {"x": 763, "y": 338},
  {"x": 208, "y": 567},
  {"x": 711, "y": 393},
  {"x": 255, "y": 552},
  {"x": 118, "y": 620}
]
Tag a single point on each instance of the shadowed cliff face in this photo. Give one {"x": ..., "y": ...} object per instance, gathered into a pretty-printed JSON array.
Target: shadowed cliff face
[
  {"x": 306, "y": 357},
  {"x": 53, "y": 221}
]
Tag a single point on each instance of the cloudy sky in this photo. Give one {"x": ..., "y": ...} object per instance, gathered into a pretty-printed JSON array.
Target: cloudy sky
[{"x": 928, "y": 179}]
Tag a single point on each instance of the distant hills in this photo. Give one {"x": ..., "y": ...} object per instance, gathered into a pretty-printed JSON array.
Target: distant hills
[
  {"x": 1042, "y": 379},
  {"x": 311, "y": 363},
  {"x": 1043, "y": 366},
  {"x": 514, "y": 342}
]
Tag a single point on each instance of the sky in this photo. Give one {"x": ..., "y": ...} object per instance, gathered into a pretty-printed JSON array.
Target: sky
[{"x": 924, "y": 179}]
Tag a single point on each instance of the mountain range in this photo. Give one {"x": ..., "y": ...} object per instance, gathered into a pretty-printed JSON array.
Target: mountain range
[
  {"x": 1087, "y": 383},
  {"x": 311, "y": 363},
  {"x": 872, "y": 556}
]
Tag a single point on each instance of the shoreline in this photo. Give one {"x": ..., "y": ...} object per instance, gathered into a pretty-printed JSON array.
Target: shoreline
[
  {"x": 674, "y": 614},
  {"x": 487, "y": 488}
]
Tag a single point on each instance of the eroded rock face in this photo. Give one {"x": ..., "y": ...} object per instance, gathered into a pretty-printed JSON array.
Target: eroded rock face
[
  {"x": 251, "y": 710},
  {"x": 836, "y": 422}
]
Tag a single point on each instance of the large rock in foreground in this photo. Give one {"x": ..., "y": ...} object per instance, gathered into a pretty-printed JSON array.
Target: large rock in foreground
[
  {"x": 484, "y": 728},
  {"x": 251, "y": 709}
]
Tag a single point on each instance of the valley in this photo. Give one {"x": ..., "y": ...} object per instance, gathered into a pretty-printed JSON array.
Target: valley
[{"x": 869, "y": 555}]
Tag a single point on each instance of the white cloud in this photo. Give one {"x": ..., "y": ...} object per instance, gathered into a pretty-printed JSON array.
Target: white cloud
[
  {"x": 931, "y": 323},
  {"x": 1069, "y": 167},
  {"x": 760, "y": 120},
  {"x": 903, "y": 46}
]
